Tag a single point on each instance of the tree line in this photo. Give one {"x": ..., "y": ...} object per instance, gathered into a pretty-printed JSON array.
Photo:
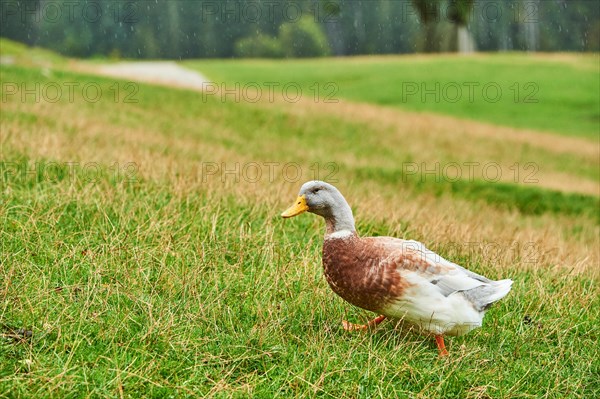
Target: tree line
[{"x": 298, "y": 28}]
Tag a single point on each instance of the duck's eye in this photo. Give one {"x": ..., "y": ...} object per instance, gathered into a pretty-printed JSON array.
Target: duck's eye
[{"x": 316, "y": 190}]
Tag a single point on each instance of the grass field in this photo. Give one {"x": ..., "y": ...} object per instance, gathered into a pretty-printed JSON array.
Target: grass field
[
  {"x": 142, "y": 255},
  {"x": 548, "y": 92}
]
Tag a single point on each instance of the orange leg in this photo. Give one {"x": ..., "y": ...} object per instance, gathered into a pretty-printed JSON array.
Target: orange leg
[
  {"x": 361, "y": 327},
  {"x": 439, "y": 339}
]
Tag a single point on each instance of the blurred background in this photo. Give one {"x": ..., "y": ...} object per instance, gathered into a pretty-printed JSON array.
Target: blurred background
[{"x": 179, "y": 29}]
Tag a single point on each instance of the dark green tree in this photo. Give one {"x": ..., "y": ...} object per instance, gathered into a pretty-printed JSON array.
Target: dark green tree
[
  {"x": 303, "y": 38},
  {"x": 210, "y": 28},
  {"x": 459, "y": 13},
  {"x": 429, "y": 14}
]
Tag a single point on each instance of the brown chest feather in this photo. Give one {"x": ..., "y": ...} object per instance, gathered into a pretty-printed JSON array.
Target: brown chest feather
[{"x": 354, "y": 271}]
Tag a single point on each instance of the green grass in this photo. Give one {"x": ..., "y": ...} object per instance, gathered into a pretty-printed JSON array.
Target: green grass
[
  {"x": 155, "y": 283},
  {"x": 18, "y": 53},
  {"x": 535, "y": 93},
  {"x": 132, "y": 286}
]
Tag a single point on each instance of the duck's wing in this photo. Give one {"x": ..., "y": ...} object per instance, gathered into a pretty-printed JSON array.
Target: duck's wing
[{"x": 413, "y": 259}]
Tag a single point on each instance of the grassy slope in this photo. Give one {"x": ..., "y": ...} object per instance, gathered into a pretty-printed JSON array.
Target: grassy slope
[
  {"x": 155, "y": 281},
  {"x": 21, "y": 54},
  {"x": 566, "y": 92}
]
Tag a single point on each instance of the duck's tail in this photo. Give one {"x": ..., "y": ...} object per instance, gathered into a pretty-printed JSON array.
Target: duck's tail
[
  {"x": 482, "y": 297},
  {"x": 501, "y": 289}
]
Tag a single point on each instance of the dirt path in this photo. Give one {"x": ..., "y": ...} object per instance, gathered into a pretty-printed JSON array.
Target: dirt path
[{"x": 158, "y": 72}]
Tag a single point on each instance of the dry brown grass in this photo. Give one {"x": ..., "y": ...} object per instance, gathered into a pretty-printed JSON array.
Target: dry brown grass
[
  {"x": 426, "y": 130},
  {"x": 588, "y": 61},
  {"x": 433, "y": 138},
  {"x": 68, "y": 132}
]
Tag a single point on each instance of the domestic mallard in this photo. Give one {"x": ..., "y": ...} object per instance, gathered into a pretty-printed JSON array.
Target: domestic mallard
[{"x": 395, "y": 278}]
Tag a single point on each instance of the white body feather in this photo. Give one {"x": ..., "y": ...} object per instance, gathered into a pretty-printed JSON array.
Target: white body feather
[{"x": 452, "y": 302}]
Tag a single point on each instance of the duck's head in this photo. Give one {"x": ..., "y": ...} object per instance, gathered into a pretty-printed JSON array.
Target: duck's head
[{"x": 324, "y": 200}]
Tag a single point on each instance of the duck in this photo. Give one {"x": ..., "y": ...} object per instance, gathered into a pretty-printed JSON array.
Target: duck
[{"x": 395, "y": 278}]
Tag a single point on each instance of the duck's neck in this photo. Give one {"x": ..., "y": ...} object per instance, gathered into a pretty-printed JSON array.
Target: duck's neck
[{"x": 340, "y": 222}]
